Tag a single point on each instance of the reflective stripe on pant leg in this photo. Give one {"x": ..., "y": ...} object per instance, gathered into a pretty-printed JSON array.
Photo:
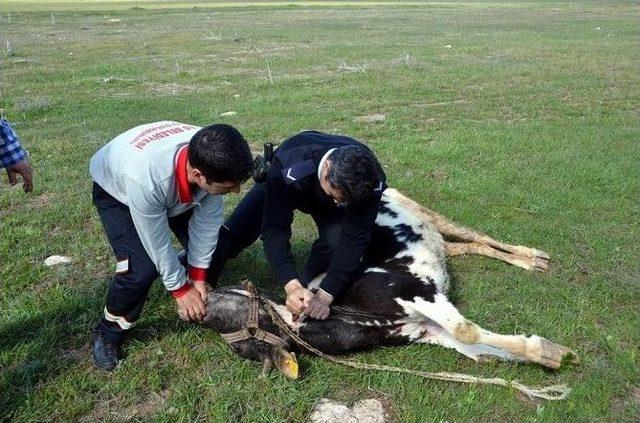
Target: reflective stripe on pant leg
[{"x": 121, "y": 321}]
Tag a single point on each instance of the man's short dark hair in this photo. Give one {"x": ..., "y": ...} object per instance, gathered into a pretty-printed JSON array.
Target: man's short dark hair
[
  {"x": 355, "y": 172},
  {"x": 221, "y": 154}
]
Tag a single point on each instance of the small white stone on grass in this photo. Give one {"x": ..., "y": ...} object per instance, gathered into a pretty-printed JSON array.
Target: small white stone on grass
[
  {"x": 53, "y": 260},
  {"x": 114, "y": 20},
  {"x": 447, "y": 46},
  {"x": 363, "y": 411},
  {"x": 369, "y": 410},
  {"x": 228, "y": 114}
]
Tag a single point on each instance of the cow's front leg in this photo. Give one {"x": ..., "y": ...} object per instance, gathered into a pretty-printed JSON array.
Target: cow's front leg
[
  {"x": 444, "y": 314},
  {"x": 528, "y": 263},
  {"x": 267, "y": 366}
]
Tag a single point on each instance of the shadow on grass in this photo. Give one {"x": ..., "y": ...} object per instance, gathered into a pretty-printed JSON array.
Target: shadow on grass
[
  {"x": 47, "y": 338},
  {"x": 39, "y": 349},
  {"x": 55, "y": 340}
]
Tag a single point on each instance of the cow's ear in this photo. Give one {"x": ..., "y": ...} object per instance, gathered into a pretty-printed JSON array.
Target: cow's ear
[{"x": 286, "y": 362}]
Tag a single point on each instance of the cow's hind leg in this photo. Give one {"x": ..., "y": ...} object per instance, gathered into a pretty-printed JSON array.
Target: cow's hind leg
[
  {"x": 528, "y": 263},
  {"x": 451, "y": 230},
  {"x": 519, "y": 347},
  {"x": 436, "y": 334}
]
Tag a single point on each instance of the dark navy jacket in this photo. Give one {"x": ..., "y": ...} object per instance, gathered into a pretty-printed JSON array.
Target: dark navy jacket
[{"x": 292, "y": 184}]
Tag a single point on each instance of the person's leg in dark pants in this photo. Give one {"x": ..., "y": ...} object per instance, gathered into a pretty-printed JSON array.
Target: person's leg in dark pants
[
  {"x": 135, "y": 272},
  {"x": 239, "y": 231},
  {"x": 329, "y": 229}
]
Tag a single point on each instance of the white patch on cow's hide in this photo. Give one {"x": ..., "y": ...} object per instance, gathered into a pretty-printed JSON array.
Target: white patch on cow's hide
[
  {"x": 428, "y": 255},
  {"x": 440, "y": 311},
  {"x": 375, "y": 270},
  {"x": 438, "y": 321},
  {"x": 413, "y": 330}
]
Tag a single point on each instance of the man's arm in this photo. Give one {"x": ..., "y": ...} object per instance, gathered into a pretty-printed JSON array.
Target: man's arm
[
  {"x": 14, "y": 158},
  {"x": 204, "y": 227},
  {"x": 276, "y": 226},
  {"x": 149, "y": 216},
  {"x": 354, "y": 238},
  {"x": 150, "y": 220}
]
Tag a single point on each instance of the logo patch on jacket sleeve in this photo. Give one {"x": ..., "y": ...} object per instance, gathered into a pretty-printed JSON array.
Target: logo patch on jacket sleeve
[{"x": 298, "y": 171}]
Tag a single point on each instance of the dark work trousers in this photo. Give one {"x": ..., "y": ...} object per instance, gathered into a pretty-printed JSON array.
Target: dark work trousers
[
  {"x": 130, "y": 286},
  {"x": 244, "y": 226},
  {"x": 239, "y": 231}
]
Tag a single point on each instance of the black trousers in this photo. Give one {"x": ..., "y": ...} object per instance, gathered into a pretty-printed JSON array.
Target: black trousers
[
  {"x": 135, "y": 272},
  {"x": 244, "y": 226}
]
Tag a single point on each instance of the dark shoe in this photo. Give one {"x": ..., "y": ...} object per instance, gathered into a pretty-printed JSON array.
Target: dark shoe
[{"x": 106, "y": 350}]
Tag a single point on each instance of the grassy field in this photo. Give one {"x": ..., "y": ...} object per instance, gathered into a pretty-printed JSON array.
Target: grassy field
[{"x": 520, "y": 119}]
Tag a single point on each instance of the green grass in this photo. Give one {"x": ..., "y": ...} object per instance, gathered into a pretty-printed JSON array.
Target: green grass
[{"x": 526, "y": 127}]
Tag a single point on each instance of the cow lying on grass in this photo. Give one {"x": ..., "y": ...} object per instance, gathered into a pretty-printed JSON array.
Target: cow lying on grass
[{"x": 399, "y": 298}]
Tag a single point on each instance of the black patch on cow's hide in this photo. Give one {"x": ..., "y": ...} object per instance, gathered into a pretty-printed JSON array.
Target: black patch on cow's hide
[
  {"x": 384, "y": 244},
  {"x": 374, "y": 293},
  {"x": 370, "y": 297},
  {"x": 334, "y": 336},
  {"x": 399, "y": 265},
  {"x": 406, "y": 233},
  {"x": 384, "y": 209}
]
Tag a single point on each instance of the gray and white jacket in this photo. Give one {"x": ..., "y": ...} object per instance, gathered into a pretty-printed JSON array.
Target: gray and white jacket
[{"x": 145, "y": 168}]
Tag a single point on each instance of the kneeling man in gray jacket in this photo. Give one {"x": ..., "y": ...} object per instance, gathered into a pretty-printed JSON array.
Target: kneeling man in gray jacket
[{"x": 150, "y": 181}]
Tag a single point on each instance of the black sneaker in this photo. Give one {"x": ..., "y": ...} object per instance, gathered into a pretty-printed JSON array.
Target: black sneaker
[{"x": 106, "y": 351}]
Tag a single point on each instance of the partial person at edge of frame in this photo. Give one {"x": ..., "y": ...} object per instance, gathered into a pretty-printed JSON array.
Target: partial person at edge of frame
[{"x": 14, "y": 158}]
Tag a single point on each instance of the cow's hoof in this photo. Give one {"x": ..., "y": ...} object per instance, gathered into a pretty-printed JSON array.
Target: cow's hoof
[
  {"x": 521, "y": 250},
  {"x": 554, "y": 355},
  {"x": 540, "y": 264}
]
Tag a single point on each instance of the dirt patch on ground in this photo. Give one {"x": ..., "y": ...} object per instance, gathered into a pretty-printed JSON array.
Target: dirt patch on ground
[
  {"x": 173, "y": 89},
  {"x": 113, "y": 410},
  {"x": 372, "y": 118},
  {"x": 45, "y": 199},
  {"x": 437, "y": 174}
]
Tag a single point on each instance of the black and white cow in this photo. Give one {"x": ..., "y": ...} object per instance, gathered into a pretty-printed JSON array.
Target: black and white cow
[{"x": 400, "y": 297}]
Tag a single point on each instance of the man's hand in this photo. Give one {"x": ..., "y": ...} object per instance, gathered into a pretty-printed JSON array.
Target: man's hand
[
  {"x": 191, "y": 306},
  {"x": 297, "y": 296},
  {"x": 22, "y": 168},
  {"x": 318, "y": 305},
  {"x": 201, "y": 287}
]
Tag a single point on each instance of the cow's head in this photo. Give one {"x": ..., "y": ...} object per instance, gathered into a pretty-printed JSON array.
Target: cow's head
[{"x": 227, "y": 312}]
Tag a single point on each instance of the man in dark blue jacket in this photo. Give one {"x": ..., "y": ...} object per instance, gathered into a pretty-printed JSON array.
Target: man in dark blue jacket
[{"x": 335, "y": 179}]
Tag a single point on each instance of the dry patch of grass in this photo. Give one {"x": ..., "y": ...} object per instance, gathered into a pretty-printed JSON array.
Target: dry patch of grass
[{"x": 116, "y": 408}]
